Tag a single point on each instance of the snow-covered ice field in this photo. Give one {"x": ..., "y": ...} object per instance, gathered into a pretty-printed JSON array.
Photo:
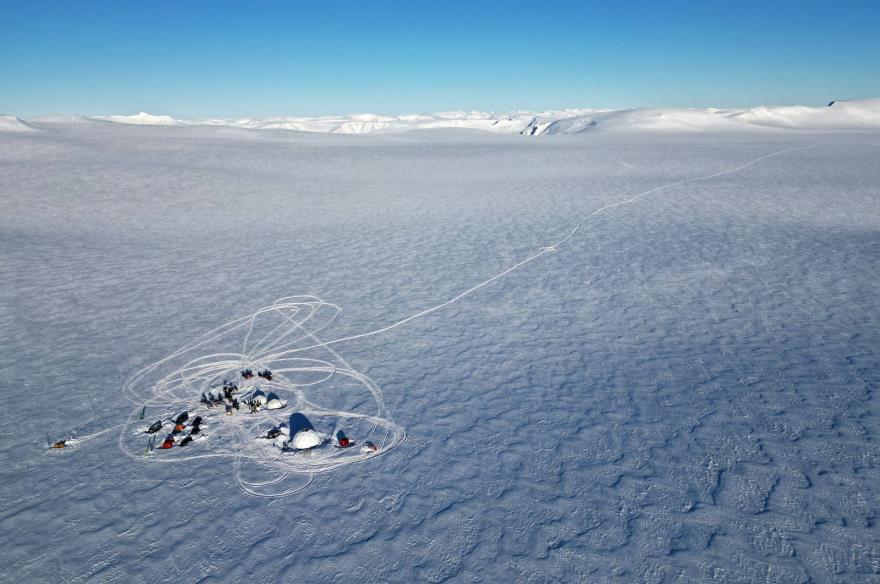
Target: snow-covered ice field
[{"x": 685, "y": 389}]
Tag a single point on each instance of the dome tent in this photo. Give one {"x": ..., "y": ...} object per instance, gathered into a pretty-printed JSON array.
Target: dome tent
[
  {"x": 274, "y": 402},
  {"x": 303, "y": 434}
]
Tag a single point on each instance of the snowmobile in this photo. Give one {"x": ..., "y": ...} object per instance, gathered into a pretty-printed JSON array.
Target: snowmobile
[
  {"x": 247, "y": 374},
  {"x": 168, "y": 443},
  {"x": 60, "y": 444},
  {"x": 154, "y": 427}
]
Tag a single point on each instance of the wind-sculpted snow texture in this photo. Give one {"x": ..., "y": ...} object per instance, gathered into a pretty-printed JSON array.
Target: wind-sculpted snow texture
[{"x": 681, "y": 387}]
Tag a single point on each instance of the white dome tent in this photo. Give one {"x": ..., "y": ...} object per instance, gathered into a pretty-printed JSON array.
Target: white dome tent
[
  {"x": 274, "y": 402},
  {"x": 303, "y": 434}
]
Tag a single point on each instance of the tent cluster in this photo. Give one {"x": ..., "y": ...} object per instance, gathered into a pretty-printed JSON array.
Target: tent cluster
[
  {"x": 298, "y": 434},
  {"x": 260, "y": 401}
]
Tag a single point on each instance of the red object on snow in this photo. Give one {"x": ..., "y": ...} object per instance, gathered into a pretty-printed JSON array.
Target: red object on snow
[
  {"x": 169, "y": 442},
  {"x": 344, "y": 442}
]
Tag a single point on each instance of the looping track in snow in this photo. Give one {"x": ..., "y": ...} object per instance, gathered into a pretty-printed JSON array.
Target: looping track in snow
[
  {"x": 283, "y": 337},
  {"x": 321, "y": 385}
]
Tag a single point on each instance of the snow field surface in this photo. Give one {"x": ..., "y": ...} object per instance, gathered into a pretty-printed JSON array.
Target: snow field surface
[{"x": 684, "y": 390}]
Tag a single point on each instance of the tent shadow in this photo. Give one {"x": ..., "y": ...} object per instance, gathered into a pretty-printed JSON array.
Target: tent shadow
[{"x": 299, "y": 422}]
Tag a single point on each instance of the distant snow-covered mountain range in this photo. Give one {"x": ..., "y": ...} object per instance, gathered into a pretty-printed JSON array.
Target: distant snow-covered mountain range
[{"x": 862, "y": 114}]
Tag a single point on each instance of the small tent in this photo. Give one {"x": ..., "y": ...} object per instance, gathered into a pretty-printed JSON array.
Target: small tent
[{"x": 274, "y": 402}]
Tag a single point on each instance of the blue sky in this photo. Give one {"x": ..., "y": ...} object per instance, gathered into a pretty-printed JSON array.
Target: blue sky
[{"x": 192, "y": 58}]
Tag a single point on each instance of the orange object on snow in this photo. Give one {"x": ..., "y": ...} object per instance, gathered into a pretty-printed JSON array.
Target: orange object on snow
[
  {"x": 59, "y": 444},
  {"x": 169, "y": 442},
  {"x": 344, "y": 442}
]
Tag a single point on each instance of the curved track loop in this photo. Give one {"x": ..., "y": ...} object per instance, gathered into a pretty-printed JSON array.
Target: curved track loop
[{"x": 323, "y": 386}]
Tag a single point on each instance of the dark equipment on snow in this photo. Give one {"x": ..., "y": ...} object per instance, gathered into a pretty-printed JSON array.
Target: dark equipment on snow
[
  {"x": 60, "y": 444},
  {"x": 343, "y": 440},
  {"x": 185, "y": 441},
  {"x": 247, "y": 374},
  {"x": 265, "y": 374},
  {"x": 273, "y": 433},
  {"x": 154, "y": 427},
  {"x": 181, "y": 417}
]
